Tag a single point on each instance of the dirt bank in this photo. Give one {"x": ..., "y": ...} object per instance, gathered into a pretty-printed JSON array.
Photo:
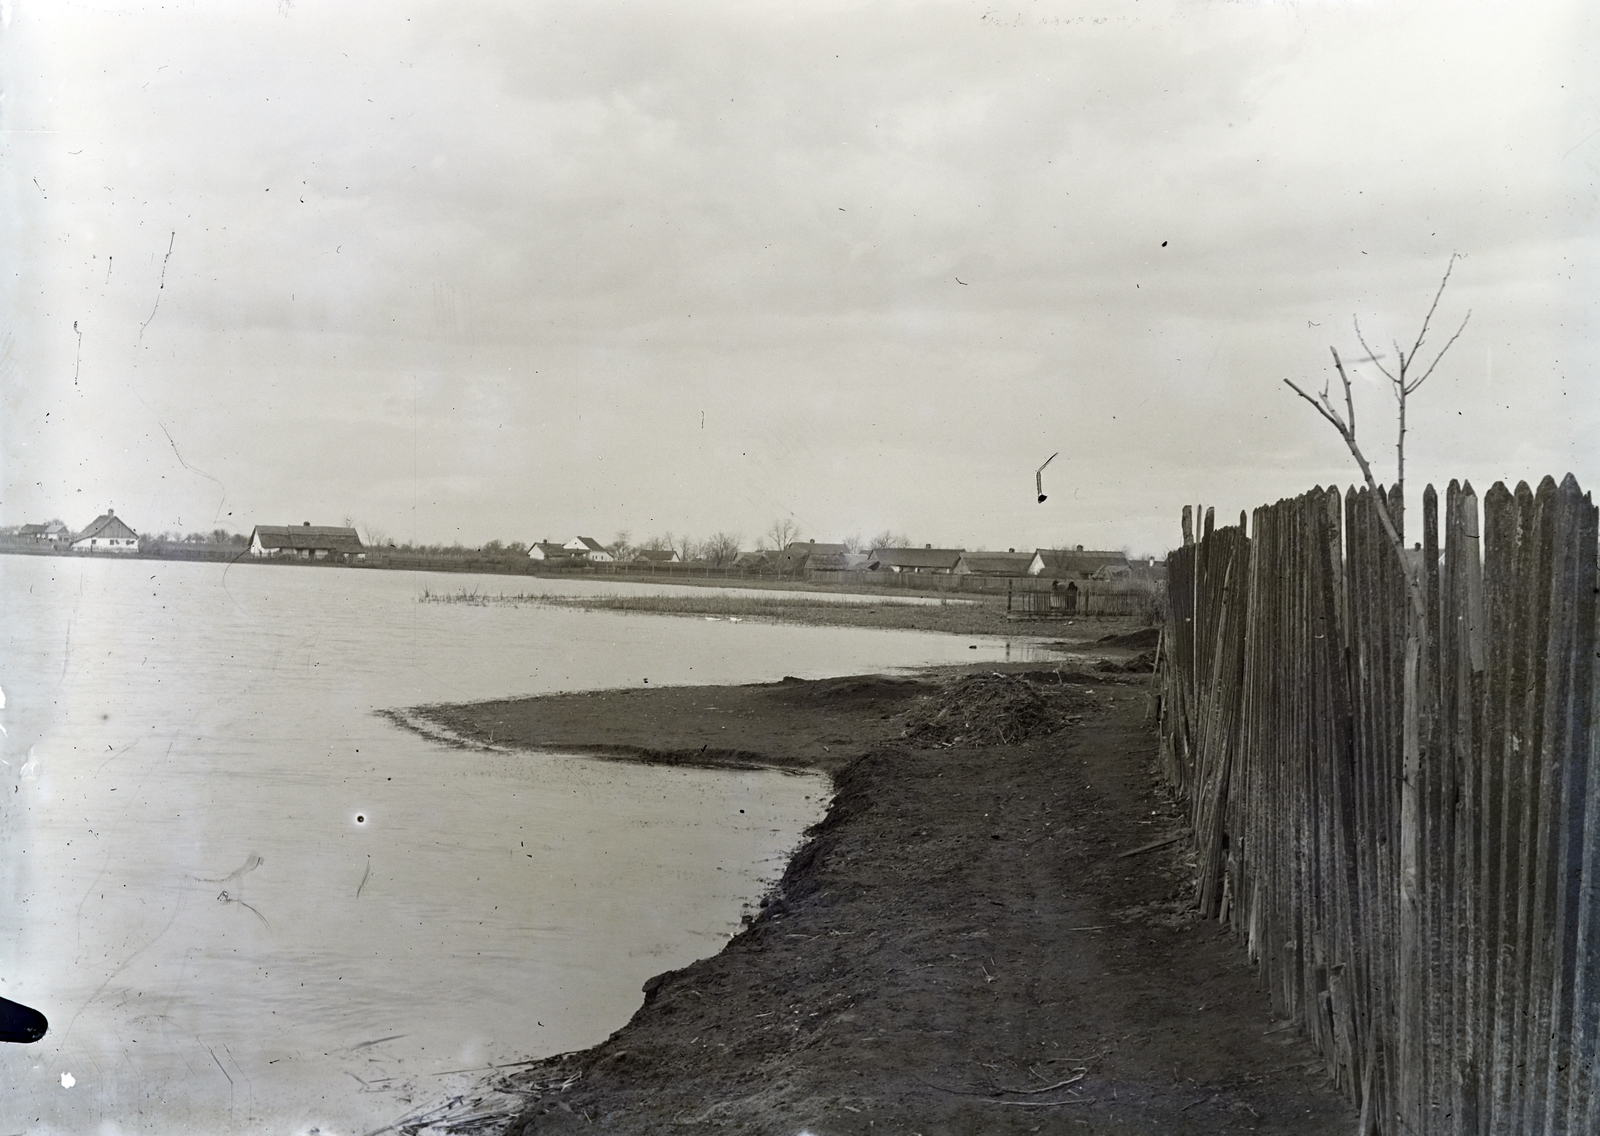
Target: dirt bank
[{"x": 961, "y": 946}]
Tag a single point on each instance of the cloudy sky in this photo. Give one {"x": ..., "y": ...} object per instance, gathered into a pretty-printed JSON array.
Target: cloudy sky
[{"x": 469, "y": 270}]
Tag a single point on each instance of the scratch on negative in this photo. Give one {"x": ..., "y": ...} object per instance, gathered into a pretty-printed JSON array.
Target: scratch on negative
[
  {"x": 191, "y": 468},
  {"x": 213, "y": 1053},
  {"x": 161, "y": 286},
  {"x": 364, "y": 876}
]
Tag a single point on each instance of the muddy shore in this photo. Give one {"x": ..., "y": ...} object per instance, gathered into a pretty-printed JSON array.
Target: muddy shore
[{"x": 971, "y": 941}]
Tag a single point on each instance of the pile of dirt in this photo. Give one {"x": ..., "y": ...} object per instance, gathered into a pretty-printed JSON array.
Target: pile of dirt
[
  {"x": 990, "y": 709},
  {"x": 851, "y": 693}
]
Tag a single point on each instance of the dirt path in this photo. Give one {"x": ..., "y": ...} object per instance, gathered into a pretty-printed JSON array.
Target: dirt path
[{"x": 959, "y": 948}]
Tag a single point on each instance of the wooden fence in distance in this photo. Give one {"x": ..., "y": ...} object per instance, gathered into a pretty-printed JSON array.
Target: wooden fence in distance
[{"x": 1433, "y": 923}]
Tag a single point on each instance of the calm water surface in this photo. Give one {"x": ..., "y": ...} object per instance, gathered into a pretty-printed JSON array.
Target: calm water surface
[{"x": 248, "y": 904}]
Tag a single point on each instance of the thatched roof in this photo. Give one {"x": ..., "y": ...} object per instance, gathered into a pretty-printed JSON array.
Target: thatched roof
[
  {"x": 995, "y": 563},
  {"x": 307, "y": 538},
  {"x": 1078, "y": 562},
  {"x": 926, "y": 559},
  {"x": 107, "y": 526}
]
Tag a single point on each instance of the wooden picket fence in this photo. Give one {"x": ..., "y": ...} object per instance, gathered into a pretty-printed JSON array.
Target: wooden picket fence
[{"x": 1433, "y": 923}]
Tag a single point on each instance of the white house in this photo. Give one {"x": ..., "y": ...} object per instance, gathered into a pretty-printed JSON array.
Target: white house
[
  {"x": 306, "y": 542},
  {"x": 588, "y": 548},
  {"x": 106, "y": 533}
]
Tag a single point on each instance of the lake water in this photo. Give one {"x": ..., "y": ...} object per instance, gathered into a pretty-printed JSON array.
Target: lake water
[{"x": 247, "y": 903}]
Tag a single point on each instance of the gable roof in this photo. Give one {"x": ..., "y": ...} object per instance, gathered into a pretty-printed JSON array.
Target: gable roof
[
  {"x": 301, "y": 538},
  {"x": 995, "y": 563},
  {"x": 815, "y": 549},
  {"x": 588, "y": 542},
  {"x": 932, "y": 558},
  {"x": 107, "y": 526},
  {"x": 1076, "y": 561}
]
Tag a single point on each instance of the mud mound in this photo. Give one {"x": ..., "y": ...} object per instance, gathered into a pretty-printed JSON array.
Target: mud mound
[
  {"x": 858, "y": 692},
  {"x": 988, "y": 709},
  {"x": 1147, "y": 638}
]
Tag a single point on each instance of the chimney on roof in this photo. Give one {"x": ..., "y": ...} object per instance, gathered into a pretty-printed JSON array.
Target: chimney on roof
[
  {"x": 307, "y": 524},
  {"x": 1010, "y": 550},
  {"x": 927, "y": 546},
  {"x": 1080, "y": 548}
]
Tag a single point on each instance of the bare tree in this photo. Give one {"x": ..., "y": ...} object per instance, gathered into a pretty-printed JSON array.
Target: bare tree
[
  {"x": 888, "y": 538},
  {"x": 854, "y": 544},
  {"x": 619, "y": 545},
  {"x": 722, "y": 549},
  {"x": 1403, "y": 382},
  {"x": 685, "y": 546},
  {"x": 782, "y": 534}
]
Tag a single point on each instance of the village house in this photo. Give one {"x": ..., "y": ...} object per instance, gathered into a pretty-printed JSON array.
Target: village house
[
  {"x": 657, "y": 556},
  {"x": 52, "y": 533},
  {"x": 106, "y": 533},
  {"x": 1077, "y": 564},
  {"x": 802, "y": 556},
  {"x": 925, "y": 559},
  {"x": 1008, "y": 563},
  {"x": 547, "y": 550},
  {"x": 306, "y": 541},
  {"x": 588, "y": 548},
  {"x": 838, "y": 562}
]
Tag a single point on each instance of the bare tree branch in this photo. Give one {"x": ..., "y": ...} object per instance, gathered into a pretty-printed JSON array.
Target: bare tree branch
[
  {"x": 1442, "y": 350},
  {"x": 1321, "y": 408},
  {"x": 1349, "y": 402},
  {"x": 1371, "y": 354},
  {"x": 1422, "y": 334}
]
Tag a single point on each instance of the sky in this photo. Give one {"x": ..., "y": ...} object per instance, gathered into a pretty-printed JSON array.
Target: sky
[{"x": 468, "y": 270}]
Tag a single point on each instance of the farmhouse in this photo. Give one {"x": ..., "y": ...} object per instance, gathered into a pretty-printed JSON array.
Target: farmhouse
[
  {"x": 588, "y": 548},
  {"x": 1008, "y": 563},
  {"x": 803, "y": 556},
  {"x": 657, "y": 556},
  {"x": 1076, "y": 564},
  {"x": 838, "y": 562},
  {"x": 106, "y": 533},
  {"x": 924, "y": 559},
  {"x": 545, "y": 550},
  {"x": 306, "y": 542},
  {"x": 53, "y": 533}
]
